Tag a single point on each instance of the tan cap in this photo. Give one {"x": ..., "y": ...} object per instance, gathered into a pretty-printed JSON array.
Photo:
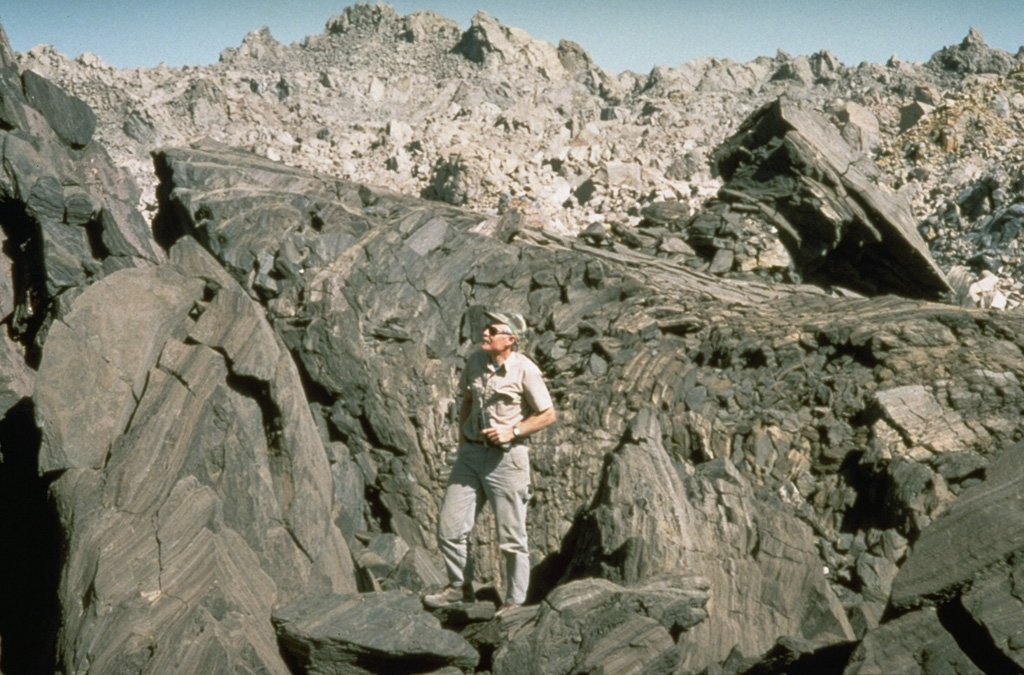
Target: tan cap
[{"x": 515, "y": 322}]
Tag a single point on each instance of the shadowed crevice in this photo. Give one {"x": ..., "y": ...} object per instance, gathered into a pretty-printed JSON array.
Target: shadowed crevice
[
  {"x": 24, "y": 246},
  {"x": 30, "y": 537},
  {"x": 974, "y": 640},
  {"x": 270, "y": 412}
]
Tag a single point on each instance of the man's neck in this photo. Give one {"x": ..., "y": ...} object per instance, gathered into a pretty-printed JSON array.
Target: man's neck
[{"x": 500, "y": 357}]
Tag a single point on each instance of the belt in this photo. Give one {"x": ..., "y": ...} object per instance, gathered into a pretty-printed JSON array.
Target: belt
[{"x": 497, "y": 446}]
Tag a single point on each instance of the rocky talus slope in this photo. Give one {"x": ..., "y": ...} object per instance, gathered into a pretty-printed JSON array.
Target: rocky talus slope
[{"x": 789, "y": 438}]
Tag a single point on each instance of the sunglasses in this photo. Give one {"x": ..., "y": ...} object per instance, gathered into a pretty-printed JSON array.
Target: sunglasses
[{"x": 493, "y": 330}]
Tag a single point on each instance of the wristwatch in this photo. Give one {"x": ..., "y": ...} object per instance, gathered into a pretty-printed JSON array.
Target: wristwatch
[{"x": 515, "y": 432}]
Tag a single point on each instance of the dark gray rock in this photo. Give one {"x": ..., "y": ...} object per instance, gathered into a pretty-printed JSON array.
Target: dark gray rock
[
  {"x": 994, "y": 604},
  {"x": 419, "y": 569},
  {"x": 914, "y": 643},
  {"x": 389, "y": 547},
  {"x": 378, "y": 297},
  {"x": 972, "y": 55},
  {"x": 371, "y": 568},
  {"x": 183, "y": 449},
  {"x": 671, "y": 214},
  {"x": 971, "y": 583},
  {"x": 67, "y": 213},
  {"x": 595, "y": 625},
  {"x": 368, "y": 633},
  {"x": 71, "y": 118},
  {"x": 12, "y": 98},
  {"x": 329, "y": 247},
  {"x": 876, "y": 575},
  {"x": 652, "y": 517},
  {"x": 349, "y": 485},
  {"x": 790, "y": 168},
  {"x": 78, "y": 430},
  {"x": 987, "y": 519}
]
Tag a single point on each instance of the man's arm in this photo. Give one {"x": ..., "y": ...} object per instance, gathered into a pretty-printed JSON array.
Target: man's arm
[
  {"x": 534, "y": 423},
  {"x": 529, "y": 425}
]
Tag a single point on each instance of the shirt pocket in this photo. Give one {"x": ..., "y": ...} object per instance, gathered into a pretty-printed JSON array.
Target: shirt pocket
[
  {"x": 506, "y": 408},
  {"x": 507, "y": 398}
]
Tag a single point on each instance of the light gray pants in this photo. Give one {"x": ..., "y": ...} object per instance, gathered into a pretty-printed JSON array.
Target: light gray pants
[{"x": 487, "y": 474}]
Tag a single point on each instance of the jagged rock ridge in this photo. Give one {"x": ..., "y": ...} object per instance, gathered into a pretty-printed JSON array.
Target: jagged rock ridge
[{"x": 414, "y": 102}]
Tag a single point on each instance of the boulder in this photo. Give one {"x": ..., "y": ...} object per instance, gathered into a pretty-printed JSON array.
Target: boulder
[
  {"x": 182, "y": 449},
  {"x": 860, "y": 127},
  {"x": 70, "y": 117},
  {"x": 652, "y": 517},
  {"x": 934, "y": 571},
  {"x": 418, "y": 570},
  {"x": 368, "y": 633},
  {"x": 912, "y": 113},
  {"x": 594, "y": 624},
  {"x": 791, "y": 168},
  {"x": 914, "y": 643}
]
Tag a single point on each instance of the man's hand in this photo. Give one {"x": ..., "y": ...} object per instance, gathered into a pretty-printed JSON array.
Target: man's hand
[
  {"x": 499, "y": 435},
  {"x": 503, "y": 435}
]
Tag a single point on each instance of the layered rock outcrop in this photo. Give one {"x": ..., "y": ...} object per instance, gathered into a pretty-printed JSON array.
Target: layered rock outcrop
[
  {"x": 183, "y": 468},
  {"x": 652, "y": 518},
  {"x": 193, "y": 486},
  {"x": 797, "y": 175},
  {"x": 67, "y": 209},
  {"x": 818, "y": 400}
]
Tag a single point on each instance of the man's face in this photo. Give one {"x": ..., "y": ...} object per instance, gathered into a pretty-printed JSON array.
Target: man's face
[{"x": 497, "y": 338}]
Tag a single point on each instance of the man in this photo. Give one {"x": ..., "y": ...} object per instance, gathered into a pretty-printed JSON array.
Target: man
[{"x": 504, "y": 400}]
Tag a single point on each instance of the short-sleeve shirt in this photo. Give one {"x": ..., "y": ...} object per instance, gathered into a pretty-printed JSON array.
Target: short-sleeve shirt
[{"x": 502, "y": 395}]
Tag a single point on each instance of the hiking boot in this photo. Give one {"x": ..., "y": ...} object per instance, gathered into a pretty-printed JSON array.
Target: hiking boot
[
  {"x": 449, "y": 595},
  {"x": 506, "y": 607}
]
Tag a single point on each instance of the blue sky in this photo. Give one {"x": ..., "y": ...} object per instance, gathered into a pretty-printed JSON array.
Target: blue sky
[{"x": 619, "y": 35}]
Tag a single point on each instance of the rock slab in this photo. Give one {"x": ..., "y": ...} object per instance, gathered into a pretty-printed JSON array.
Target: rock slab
[
  {"x": 790, "y": 167},
  {"x": 196, "y": 501},
  {"x": 387, "y": 632}
]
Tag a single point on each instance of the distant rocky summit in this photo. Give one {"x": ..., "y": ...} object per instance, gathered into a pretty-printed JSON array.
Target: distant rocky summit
[{"x": 777, "y": 303}]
